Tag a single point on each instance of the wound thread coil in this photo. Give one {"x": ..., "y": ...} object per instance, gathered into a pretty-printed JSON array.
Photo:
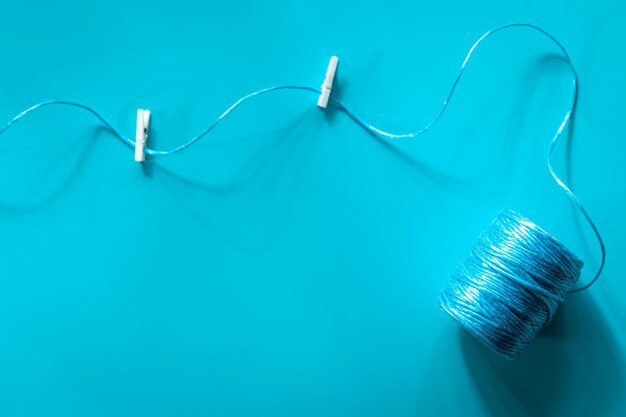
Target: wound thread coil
[{"x": 511, "y": 284}]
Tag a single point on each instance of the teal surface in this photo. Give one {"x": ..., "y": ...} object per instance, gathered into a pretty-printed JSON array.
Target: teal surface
[{"x": 290, "y": 263}]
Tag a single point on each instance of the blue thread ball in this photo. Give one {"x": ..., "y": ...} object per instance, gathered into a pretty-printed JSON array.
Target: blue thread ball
[{"x": 511, "y": 284}]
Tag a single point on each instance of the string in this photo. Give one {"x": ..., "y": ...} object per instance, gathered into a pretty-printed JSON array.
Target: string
[
  {"x": 370, "y": 127},
  {"x": 511, "y": 285}
]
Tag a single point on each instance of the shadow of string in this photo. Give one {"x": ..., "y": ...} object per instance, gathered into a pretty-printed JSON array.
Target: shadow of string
[
  {"x": 276, "y": 167},
  {"x": 573, "y": 368},
  {"x": 68, "y": 179}
]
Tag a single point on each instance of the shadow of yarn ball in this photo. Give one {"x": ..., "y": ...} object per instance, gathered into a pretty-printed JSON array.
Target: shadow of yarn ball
[{"x": 573, "y": 368}]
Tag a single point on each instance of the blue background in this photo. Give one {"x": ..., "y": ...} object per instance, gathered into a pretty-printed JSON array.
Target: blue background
[{"x": 290, "y": 263}]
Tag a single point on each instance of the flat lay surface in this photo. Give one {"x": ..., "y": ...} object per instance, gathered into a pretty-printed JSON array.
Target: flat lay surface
[{"x": 289, "y": 264}]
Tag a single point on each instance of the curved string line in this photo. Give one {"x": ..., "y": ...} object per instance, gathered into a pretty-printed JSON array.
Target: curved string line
[
  {"x": 226, "y": 113},
  {"x": 361, "y": 122},
  {"x": 108, "y": 125},
  {"x": 555, "y": 138}
]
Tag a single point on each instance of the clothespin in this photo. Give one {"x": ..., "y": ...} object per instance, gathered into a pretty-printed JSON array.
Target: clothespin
[
  {"x": 141, "y": 134},
  {"x": 327, "y": 85}
]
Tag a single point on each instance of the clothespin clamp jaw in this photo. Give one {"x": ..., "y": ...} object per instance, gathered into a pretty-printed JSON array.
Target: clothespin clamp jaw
[
  {"x": 141, "y": 134},
  {"x": 327, "y": 85}
]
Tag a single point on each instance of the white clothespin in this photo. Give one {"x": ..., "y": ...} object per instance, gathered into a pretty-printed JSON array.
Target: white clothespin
[
  {"x": 327, "y": 85},
  {"x": 141, "y": 134}
]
